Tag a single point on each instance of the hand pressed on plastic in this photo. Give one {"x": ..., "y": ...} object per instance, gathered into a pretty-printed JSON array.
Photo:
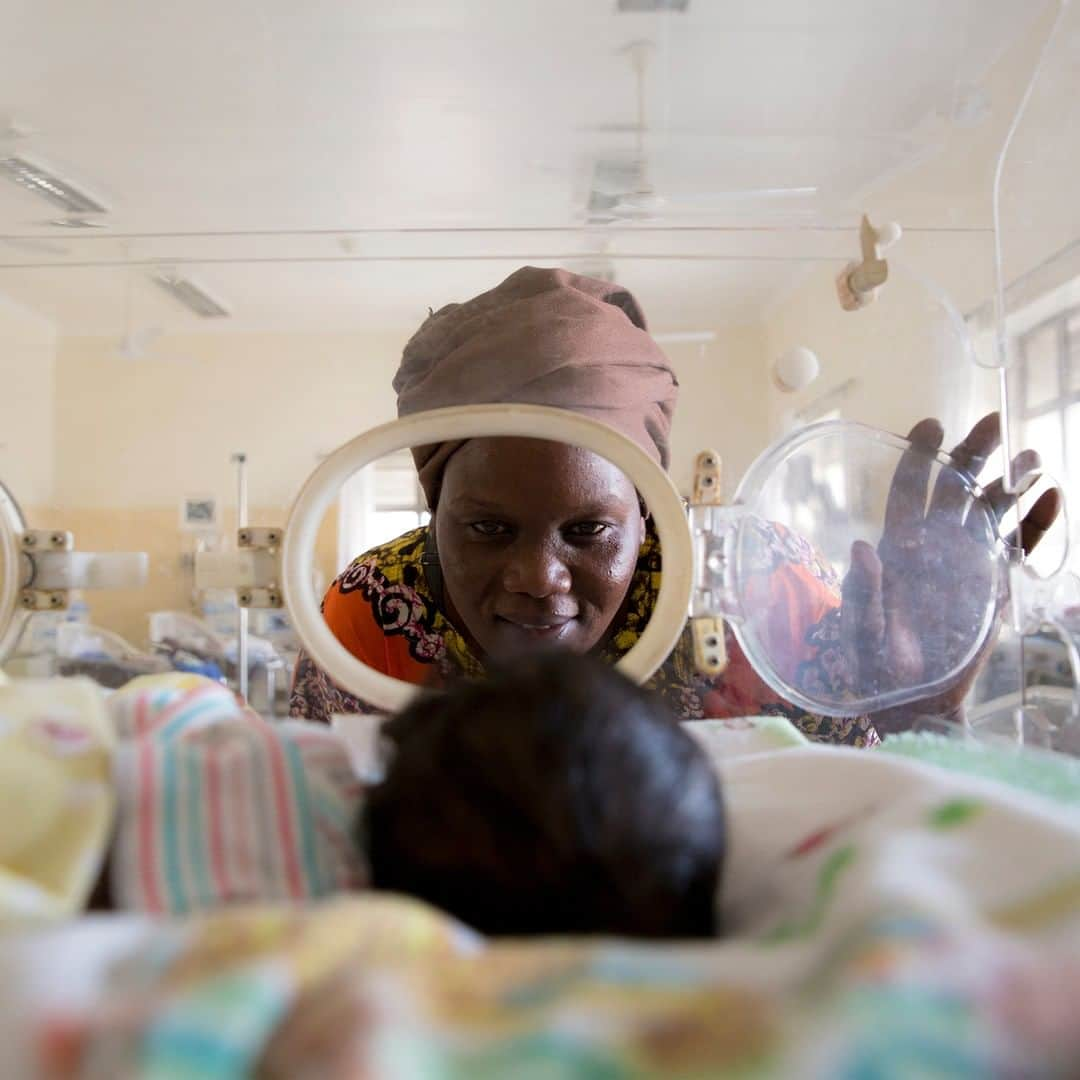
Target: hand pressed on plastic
[{"x": 913, "y": 609}]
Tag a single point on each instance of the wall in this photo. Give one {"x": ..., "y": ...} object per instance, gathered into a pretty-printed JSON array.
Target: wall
[
  {"x": 133, "y": 437},
  {"x": 903, "y": 358},
  {"x": 724, "y": 400},
  {"x": 27, "y": 374},
  {"x": 144, "y": 433}
]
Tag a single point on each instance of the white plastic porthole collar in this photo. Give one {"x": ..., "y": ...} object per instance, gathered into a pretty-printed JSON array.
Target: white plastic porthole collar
[
  {"x": 470, "y": 422},
  {"x": 11, "y": 527}
]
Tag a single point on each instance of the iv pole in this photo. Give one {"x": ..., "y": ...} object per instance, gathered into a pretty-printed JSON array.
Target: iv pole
[{"x": 240, "y": 461}]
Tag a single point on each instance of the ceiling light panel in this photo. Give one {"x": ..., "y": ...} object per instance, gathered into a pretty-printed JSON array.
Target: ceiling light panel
[
  {"x": 191, "y": 295},
  {"x": 652, "y": 5},
  {"x": 35, "y": 178}
]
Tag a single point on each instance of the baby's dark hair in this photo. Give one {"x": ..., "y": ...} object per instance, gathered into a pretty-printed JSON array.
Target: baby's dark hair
[{"x": 552, "y": 797}]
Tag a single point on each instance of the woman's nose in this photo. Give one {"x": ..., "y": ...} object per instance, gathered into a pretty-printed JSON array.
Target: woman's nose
[{"x": 536, "y": 571}]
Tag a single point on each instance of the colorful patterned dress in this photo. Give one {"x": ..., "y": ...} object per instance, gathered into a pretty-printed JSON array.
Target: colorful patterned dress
[{"x": 383, "y": 610}]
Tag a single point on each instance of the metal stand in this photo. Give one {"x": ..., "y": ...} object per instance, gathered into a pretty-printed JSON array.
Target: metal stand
[{"x": 240, "y": 461}]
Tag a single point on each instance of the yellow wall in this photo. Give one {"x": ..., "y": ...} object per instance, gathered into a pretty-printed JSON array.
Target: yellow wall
[
  {"x": 133, "y": 437},
  {"x": 724, "y": 403},
  {"x": 27, "y": 345},
  {"x": 143, "y": 433}
]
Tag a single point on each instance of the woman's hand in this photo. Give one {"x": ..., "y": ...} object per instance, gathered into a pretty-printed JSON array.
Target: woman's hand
[{"x": 915, "y": 604}]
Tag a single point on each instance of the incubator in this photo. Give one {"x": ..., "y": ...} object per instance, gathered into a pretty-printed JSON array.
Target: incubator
[{"x": 823, "y": 273}]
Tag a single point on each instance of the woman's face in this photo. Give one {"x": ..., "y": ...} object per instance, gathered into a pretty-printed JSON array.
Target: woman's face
[{"x": 537, "y": 541}]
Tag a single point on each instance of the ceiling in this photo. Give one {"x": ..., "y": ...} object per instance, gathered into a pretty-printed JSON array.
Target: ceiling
[{"x": 345, "y": 165}]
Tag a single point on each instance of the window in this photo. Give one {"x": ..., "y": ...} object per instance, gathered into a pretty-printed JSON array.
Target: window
[
  {"x": 1046, "y": 392},
  {"x": 378, "y": 503}
]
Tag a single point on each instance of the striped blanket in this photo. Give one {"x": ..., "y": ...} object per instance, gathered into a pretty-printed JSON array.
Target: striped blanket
[{"x": 216, "y": 806}]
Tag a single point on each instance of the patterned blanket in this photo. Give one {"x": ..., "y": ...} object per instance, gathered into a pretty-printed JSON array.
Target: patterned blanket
[{"x": 883, "y": 918}]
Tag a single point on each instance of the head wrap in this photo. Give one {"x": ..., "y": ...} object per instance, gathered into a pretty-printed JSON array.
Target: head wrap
[{"x": 542, "y": 337}]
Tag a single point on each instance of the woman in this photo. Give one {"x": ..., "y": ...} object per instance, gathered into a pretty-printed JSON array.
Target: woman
[{"x": 533, "y": 542}]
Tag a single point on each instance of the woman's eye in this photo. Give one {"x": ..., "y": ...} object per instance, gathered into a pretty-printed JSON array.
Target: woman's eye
[
  {"x": 488, "y": 528},
  {"x": 588, "y": 528}
]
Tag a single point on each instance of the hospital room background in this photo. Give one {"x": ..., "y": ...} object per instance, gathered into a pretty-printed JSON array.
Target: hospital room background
[{"x": 220, "y": 225}]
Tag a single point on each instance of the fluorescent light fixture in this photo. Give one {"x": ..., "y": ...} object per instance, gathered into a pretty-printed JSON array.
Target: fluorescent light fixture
[
  {"x": 647, "y": 202},
  {"x": 39, "y": 180},
  {"x": 73, "y": 223},
  {"x": 188, "y": 293},
  {"x": 652, "y": 5},
  {"x": 752, "y": 193},
  {"x": 685, "y": 337}
]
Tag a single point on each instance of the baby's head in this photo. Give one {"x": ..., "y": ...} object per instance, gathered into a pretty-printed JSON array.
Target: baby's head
[{"x": 553, "y": 797}]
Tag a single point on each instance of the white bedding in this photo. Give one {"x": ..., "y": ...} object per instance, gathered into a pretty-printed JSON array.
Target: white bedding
[{"x": 855, "y": 881}]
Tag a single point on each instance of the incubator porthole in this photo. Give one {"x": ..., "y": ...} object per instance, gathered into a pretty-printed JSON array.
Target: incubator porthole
[{"x": 664, "y": 503}]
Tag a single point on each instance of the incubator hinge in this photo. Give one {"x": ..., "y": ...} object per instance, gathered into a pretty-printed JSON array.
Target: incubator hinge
[
  {"x": 707, "y": 479},
  {"x": 52, "y": 568},
  {"x": 253, "y": 570},
  {"x": 264, "y": 544},
  {"x": 706, "y": 628},
  {"x": 37, "y": 545}
]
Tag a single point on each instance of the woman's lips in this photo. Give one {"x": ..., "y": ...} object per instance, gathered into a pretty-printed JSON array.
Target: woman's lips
[{"x": 549, "y": 628}]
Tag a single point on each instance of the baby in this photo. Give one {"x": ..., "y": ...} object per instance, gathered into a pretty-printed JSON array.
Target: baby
[{"x": 553, "y": 797}]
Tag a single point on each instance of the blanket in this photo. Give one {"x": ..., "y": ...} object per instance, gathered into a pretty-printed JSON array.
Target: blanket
[{"x": 882, "y": 917}]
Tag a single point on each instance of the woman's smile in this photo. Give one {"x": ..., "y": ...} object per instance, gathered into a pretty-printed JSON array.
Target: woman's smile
[{"x": 551, "y": 629}]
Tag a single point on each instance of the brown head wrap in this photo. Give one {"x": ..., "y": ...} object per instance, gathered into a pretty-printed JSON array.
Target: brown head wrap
[{"x": 542, "y": 337}]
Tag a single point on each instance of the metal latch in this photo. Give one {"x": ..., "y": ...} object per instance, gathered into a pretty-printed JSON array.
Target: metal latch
[{"x": 707, "y": 630}]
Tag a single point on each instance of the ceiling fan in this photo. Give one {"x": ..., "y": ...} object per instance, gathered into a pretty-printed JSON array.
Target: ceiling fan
[{"x": 622, "y": 188}]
